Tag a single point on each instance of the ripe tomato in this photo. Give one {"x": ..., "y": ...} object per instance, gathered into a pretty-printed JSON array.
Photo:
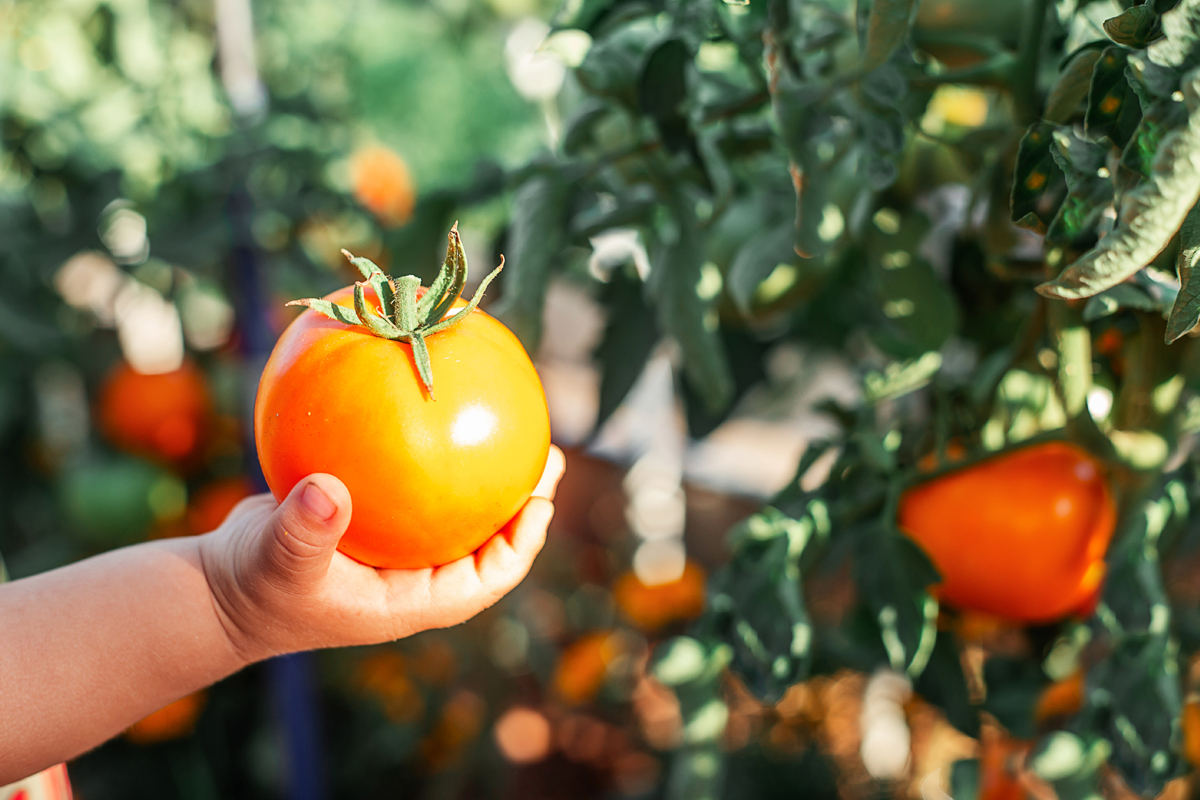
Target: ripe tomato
[
  {"x": 383, "y": 185},
  {"x": 430, "y": 479},
  {"x": 652, "y": 607},
  {"x": 172, "y": 721},
  {"x": 213, "y": 502},
  {"x": 1021, "y": 535},
  {"x": 163, "y": 416}
]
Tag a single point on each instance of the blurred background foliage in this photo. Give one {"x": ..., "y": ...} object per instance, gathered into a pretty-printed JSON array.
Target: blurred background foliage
[{"x": 779, "y": 263}]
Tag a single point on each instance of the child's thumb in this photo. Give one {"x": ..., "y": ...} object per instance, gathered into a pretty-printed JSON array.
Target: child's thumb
[{"x": 307, "y": 526}]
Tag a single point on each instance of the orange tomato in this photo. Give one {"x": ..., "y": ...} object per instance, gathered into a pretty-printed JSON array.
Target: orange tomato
[
  {"x": 583, "y": 666},
  {"x": 383, "y": 185},
  {"x": 651, "y": 607},
  {"x": 1061, "y": 698},
  {"x": 430, "y": 479},
  {"x": 172, "y": 721},
  {"x": 998, "y": 778},
  {"x": 213, "y": 502},
  {"x": 1021, "y": 535},
  {"x": 1190, "y": 722},
  {"x": 163, "y": 417}
]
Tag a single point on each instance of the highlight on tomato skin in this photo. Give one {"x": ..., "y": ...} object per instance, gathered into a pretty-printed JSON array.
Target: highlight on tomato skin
[{"x": 1035, "y": 560}]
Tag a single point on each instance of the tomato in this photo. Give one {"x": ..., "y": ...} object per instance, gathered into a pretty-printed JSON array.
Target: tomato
[
  {"x": 213, "y": 502},
  {"x": 164, "y": 416},
  {"x": 653, "y": 606},
  {"x": 172, "y": 721},
  {"x": 999, "y": 758},
  {"x": 383, "y": 185},
  {"x": 1061, "y": 698},
  {"x": 1190, "y": 722},
  {"x": 432, "y": 473},
  {"x": 583, "y": 667},
  {"x": 1021, "y": 535}
]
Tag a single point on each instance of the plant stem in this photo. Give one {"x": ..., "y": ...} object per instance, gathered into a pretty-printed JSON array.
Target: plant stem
[{"x": 1029, "y": 55}]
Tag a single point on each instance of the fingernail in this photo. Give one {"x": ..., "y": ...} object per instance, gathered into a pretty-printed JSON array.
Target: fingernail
[{"x": 317, "y": 503}]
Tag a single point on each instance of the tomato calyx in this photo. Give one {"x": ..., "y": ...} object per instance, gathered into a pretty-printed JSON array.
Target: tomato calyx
[{"x": 404, "y": 313}]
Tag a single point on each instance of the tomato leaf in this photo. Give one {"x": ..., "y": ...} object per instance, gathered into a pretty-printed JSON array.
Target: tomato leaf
[
  {"x": 1089, "y": 192},
  {"x": 757, "y": 603},
  {"x": 755, "y": 261},
  {"x": 334, "y": 311},
  {"x": 630, "y": 336},
  {"x": 535, "y": 242},
  {"x": 677, "y": 281},
  {"x": 1036, "y": 179},
  {"x": 1180, "y": 41},
  {"x": 894, "y": 575},
  {"x": 1134, "y": 27},
  {"x": 662, "y": 90},
  {"x": 1185, "y": 313},
  {"x": 943, "y": 682},
  {"x": 1072, "y": 85},
  {"x": 1112, "y": 109},
  {"x": 1071, "y": 764},
  {"x": 1150, "y": 214},
  {"x": 888, "y": 25},
  {"x": 1134, "y": 702}
]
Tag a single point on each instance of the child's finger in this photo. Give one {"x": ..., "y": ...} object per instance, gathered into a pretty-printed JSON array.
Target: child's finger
[
  {"x": 556, "y": 464},
  {"x": 304, "y": 531}
]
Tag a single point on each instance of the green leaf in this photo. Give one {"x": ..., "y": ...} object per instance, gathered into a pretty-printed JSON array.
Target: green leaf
[
  {"x": 1071, "y": 764},
  {"x": 334, "y": 311},
  {"x": 662, "y": 90},
  {"x": 630, "y": 336},
  {"x": 1180, "y": 41},
  {"x": 535, "y": 243},
  {"x": 448, "y": 284},
  {"x": 757, "y": 259},
  {"x": 1089, "y": 191},
  {"x": 1137, "y": 159},
  {"x": 1185, "y": 313},
  {"x": 1013, "y": 688},
  {"x": 757, "y": 603},
  {"x": 1112, "y": 109},
  {"x": 1110, "y": 301},
  {"x": 888, "y": 25},
  {"x": 1072, "y": 86},
  {"x": 944, "y": 684},
  {"x": 1134, "y": 27},
  {"x": 1150, "y": 214},
  {"x": 687, "y": 314},
  {"x": 965, "y": 781},
  {"x": 1035, "y": 176},
  {"x": 1134, "y": 701},
  {"x": 894, "y": 576}
]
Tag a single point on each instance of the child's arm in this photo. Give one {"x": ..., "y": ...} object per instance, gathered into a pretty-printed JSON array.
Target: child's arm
[{"x": 90, "y": 648}]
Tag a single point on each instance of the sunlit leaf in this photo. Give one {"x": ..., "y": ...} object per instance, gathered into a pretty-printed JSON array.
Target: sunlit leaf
[
  {"x": 1150, "y": 214},
  {"x": 1133, "y": 27},
  {"x": 1185, "y": 313},
  {"x": 894, "y": 575}
]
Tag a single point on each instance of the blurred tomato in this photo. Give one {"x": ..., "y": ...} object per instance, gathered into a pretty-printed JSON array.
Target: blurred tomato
[
  {"x": 651, "y": 607},
  {"x": 164, "y": 417},
  {"x": 212, "y": 502},
  {"x": 383, "y": 185},
  {"x": 583, "y": 666},
  {"x": 172, "y": 721},
  {"x": 1061, "y": 698}
]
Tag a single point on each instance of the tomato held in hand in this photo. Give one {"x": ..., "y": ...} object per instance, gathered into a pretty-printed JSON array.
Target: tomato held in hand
[
  {"x": 1021, "y": 535},
  {"x": 440, "y": 431}
]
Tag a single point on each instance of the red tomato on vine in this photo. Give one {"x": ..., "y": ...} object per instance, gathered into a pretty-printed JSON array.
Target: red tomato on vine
[
  {"x": 1021, "y": 535},
  {"x": 429, "y": 411}
]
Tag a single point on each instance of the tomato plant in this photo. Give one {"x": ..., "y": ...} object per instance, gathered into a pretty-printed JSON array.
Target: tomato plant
[
  {"x": 1021, "y": 535},
  {"x": 430, "y": 411}
]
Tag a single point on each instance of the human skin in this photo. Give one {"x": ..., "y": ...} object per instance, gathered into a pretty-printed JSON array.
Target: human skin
[{"x": 90, "y": 648}]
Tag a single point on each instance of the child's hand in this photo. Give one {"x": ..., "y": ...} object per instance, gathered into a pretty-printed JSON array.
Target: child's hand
[{"x": 279, "y": 585}]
